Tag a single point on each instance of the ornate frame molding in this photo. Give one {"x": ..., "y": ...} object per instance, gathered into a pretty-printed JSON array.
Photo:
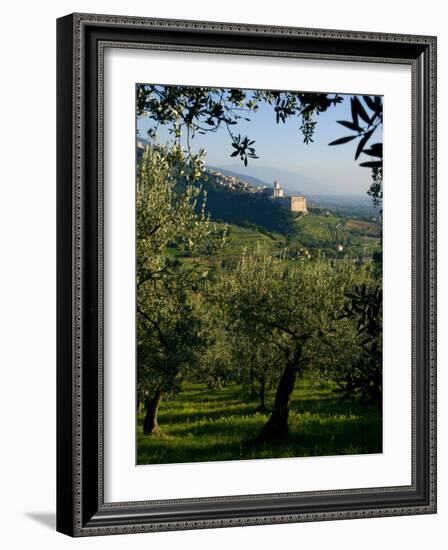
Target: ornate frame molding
[{"x": 81, "y": 42}]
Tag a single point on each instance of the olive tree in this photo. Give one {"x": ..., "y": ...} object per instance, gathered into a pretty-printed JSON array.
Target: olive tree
[
  {"x": 362, "y": 377},
  {"x": 168, "y": 328},
  {"x": 296, "y": 309}
]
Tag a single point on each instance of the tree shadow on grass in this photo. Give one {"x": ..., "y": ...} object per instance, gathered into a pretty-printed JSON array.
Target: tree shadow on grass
[
  {"x": 237, "y": 441},
  {"x": 327, "y": 406}
]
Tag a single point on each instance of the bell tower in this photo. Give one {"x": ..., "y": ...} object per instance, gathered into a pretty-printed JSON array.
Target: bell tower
[{"x": 278, "y": 191}]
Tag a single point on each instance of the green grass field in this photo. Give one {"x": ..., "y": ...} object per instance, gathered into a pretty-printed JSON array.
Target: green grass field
[{"x": 201, "y": 424}]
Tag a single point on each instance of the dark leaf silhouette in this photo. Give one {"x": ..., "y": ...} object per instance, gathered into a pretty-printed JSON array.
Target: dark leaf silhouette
[
  {"x": 372, "y": 164},
  {"x": 354, "y": 112},
  {"x": 362, "y": 142},
  {"x": 376, "y": 150},
  {"x": 350, "y": 125},
  {"x": 342, "y": 140},
  {"x": 370, "y": 102},
  {"x": 358, "y": 109}
]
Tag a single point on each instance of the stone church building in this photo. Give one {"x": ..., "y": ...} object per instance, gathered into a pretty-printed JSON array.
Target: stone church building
[{"x": 295, "y": 203}]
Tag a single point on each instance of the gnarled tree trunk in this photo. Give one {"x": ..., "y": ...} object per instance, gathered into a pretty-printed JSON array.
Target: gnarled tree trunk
[
  {"x": 150, "y": 424},
  {"x": 277, "y": 425}
]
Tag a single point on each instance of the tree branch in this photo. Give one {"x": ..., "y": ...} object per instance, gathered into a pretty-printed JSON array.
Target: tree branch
[{"x": 156, "y": 326}]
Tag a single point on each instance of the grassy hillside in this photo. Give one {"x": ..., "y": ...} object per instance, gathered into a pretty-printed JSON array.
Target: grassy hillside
[
  {"x": 360, "y": 238},
  {"x": 316, "y": 233}
]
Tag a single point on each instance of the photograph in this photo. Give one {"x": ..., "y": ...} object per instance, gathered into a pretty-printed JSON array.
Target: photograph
[{"x": 259, "y": 295}]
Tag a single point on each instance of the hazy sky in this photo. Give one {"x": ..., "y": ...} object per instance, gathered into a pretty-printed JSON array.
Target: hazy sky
[{"x": 314, "y": 168}]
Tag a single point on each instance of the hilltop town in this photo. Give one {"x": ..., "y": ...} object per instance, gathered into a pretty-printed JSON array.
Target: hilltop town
[{"x": 294, "y": 203}]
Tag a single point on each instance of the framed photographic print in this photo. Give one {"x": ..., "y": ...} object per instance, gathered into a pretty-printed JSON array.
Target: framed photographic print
[{"x": 246, "y": 274}]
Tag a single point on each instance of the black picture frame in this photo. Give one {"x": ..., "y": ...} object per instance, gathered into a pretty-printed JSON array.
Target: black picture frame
[{"x": 81, "y": 510}]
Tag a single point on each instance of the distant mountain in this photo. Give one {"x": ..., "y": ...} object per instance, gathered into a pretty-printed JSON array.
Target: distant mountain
[{"x": 292, "y": 183}]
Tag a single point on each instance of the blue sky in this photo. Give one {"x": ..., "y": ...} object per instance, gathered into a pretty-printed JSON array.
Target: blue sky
[{"x": 314, "y": 168}]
